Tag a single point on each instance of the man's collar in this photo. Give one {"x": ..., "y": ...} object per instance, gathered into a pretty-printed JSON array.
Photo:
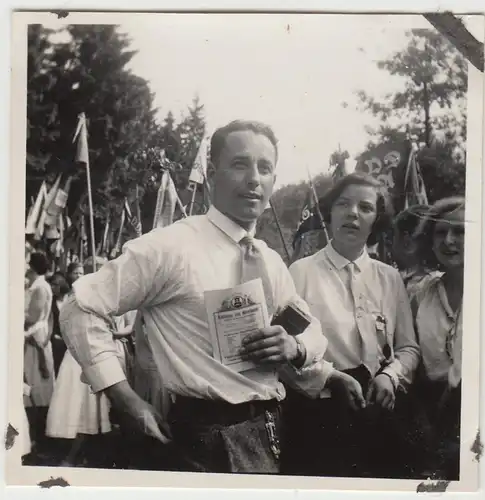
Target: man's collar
[
  {"x": 339, "y": 261},
  {"x": 228, "y": 226}
]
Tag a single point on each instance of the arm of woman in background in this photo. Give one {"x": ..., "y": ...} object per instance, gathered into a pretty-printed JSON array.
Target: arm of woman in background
[{"x": 33, "y": 314}]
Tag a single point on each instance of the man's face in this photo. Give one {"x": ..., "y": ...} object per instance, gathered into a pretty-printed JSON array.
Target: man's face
[{"x": 243, "y": 179}]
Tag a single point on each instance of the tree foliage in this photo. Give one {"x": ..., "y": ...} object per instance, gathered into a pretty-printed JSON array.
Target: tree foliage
[
  {"x": 430, "y": 109},
  {"x": 433, "y": 99},
  {"x": 87, "y": 72}
]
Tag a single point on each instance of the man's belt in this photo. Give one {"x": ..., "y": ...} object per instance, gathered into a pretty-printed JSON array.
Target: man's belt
[{"x": 220, "y": 412}]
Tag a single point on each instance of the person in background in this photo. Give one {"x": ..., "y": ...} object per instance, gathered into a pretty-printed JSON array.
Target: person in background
[
  {"x": 222, "y": 420},
  {"x": 75, "y": 413},
  {"x": 60, "y": 289},
  {"x": 413, "y": 272},
  {"x": 347, "y": 428},
  {"x": 38, "y": 360},
  {"x": 74, "y": 271},
  {"x": 438, "y": 311}
]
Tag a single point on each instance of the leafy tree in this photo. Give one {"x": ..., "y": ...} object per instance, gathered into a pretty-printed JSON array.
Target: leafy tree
[
  {"x": 42, "y": 111},
  {"x": 88, "y": 74},
  {"x": 337, "y": 162},
  {"x": 433, "y": 100}
]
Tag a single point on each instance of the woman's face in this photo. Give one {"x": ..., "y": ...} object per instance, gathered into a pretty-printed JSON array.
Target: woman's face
[
  {"x": 449, "y": 239},
  {"x": 353, "y": 215},
  {"x": 76, "y": 274},
  {"x": 404, "y": 249}
]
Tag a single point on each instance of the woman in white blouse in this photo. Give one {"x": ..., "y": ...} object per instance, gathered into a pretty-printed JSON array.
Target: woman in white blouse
[
  {"x": 438, "y": 318},
  {"x": 372, "y": 353}
]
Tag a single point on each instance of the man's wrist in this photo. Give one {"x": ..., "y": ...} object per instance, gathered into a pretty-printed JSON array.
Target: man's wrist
[{"x": 300, "y": 354}]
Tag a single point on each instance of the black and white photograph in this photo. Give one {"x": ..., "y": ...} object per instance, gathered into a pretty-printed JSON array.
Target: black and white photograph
[{"x": 252, "y": 248}]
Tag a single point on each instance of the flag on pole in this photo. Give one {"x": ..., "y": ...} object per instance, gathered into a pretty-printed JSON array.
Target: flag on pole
[
  {"x": 387, "y": 163},
  {"x": 310, "y": 236},
  {"x": 81, "y": 140},
  {"x": 82, "y": 156},
  {"x": 116, "y": 249},
  {"x": 133, "y": 217},
  {"x": 414, "y": 188},
  {"x": 199, "y": 168},
  {"x": 340, "y": 171},
  {"x": 83, "y": 240},
  {"x": 167, "y": 199},
  {"x": 58, "y": 202},
  {"x": 307, "y": 210},
  {"x": 104, "y": 241},
  {"x": 36, "y": 216}
]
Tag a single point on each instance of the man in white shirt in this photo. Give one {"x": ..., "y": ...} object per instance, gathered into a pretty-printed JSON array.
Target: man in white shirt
[{"x": 222, "y": 420}]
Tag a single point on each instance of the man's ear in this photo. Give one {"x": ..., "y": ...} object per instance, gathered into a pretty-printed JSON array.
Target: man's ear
[{"x": 211, "y": 170}]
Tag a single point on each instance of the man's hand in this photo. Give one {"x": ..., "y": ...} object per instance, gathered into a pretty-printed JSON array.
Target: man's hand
[
  {"x": 346, "y": 388},
  {"x": 381, "y": 391},
  {"x": 143, "y": 415},
  {"x": 270, "y": 345}
]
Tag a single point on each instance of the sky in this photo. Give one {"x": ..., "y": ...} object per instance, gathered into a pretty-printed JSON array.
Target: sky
[{"x": 298, "y": 73}]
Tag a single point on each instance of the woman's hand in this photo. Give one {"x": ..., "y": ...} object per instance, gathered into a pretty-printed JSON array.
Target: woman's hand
[
  {"x": 381, "y": 391},
  {"x": 346, "y": 388}
]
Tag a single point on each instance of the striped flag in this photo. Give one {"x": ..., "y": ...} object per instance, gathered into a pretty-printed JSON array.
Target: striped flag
[
  {"x": 58, "y": 202},
  {"x": 167, "y": 199},
  {"x": 117, "y": 248},
  {"x": 414, "y": 188},
  {"x": 35, "y": 219},
  {"x": 81, "y": 140},
  {"x": 133, "y": 219},
  {"x": 198, "y": 174}
]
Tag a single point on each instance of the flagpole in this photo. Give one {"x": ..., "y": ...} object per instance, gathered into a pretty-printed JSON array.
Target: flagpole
[
  {"x": 317, "y": 206},
  {"x": 280, "y": 230},
  {"x": 91, "y": 216},
  {"x": 192, "y": 201}
]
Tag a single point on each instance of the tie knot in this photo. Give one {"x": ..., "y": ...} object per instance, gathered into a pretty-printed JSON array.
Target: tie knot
[{"x": 247, "y": 242}]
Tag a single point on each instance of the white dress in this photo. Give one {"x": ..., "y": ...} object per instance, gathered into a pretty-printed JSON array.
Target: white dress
[
  {"x": 74, "y": 408},
  {"x": 38, "y": 302}
]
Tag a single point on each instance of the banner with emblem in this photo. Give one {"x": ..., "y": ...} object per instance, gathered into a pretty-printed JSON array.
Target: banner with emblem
[{"x": 388, "y": 164}]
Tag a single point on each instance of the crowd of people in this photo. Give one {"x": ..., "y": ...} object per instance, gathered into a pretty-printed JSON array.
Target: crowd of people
[{"x": 119, "y": 367}]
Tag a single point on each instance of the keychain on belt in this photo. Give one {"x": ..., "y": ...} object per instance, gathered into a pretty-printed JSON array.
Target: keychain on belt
[{"x": 271, "y": 430}]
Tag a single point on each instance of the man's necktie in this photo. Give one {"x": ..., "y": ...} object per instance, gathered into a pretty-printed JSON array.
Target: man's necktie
[{"x": 253, "y": 266}]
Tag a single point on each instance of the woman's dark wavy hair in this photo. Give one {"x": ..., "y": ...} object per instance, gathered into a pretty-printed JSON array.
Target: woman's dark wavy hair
[
  {"x": 384, "y": 207},
  {"x": 39, "y": 263},
  {"x": 425, "y": 231},
  {"x": 409, "y": 219}
]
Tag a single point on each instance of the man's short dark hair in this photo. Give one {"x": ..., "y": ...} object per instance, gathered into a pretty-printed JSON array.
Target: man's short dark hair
[
  {"x": 219, "y": 137},
  {"x": 61, "y": 281},
  {"x": 39, "y": 263},
  {"x": 383, "y": 206}
]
